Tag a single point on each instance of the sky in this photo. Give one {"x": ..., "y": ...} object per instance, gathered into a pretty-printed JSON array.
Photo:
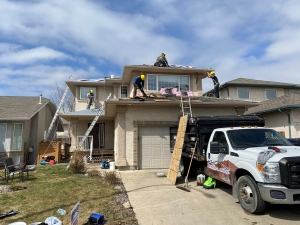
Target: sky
[{"x": 44, "y": 42}]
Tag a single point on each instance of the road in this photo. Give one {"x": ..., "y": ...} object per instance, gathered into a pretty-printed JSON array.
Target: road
[{"x": 157, "y": 202}]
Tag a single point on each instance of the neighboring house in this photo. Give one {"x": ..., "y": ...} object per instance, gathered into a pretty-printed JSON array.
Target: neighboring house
[
  {"x": 281, "y": 114},
  {"x": 141, "y": 133},
  {"x": 255, "y": 90},
  {"x": 23, "y": 122}
]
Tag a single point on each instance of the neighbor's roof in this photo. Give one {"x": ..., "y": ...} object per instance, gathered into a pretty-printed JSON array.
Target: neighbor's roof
[
  {"x": 251, "y": 82},
  {"x": 21, "y": 107},
  {"x": 244, "y": 82},
  {"x": 288, "y": 101}
]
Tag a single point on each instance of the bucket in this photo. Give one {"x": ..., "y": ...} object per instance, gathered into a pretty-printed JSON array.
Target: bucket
[
  {"x": 200, "y": 179},
  {"x": 112, "y": 165}
]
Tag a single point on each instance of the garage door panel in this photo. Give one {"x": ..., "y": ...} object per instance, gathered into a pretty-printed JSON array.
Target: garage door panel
[{"x": 154, "y": 147}]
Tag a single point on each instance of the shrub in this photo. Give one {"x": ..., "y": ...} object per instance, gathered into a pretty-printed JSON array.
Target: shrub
[
  {"x": 93, "y": 173},
  {"x": 76, "y": 162},
  {"x": 111, "y": 178}
]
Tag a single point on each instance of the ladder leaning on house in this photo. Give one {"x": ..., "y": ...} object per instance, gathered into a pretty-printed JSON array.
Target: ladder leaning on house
[
  {"x": 185, "y": 105},
  {"x": 57, "y": 111},
  {"x": 100, "y": 112}
]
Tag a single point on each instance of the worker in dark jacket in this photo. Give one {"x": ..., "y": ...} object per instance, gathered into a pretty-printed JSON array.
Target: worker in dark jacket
[
  {"x": 138, "y": 83},
  {"x": 161, "y": 60},
  {"x": 216, "y": 83}
]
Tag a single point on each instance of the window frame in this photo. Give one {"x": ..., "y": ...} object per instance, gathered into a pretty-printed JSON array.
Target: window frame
[
  {"x": 89, "y": 88},
  {"x": 4, "y": 141},
  {"x": 121, "y": 87},
  {"x": 243, "y": 89},
  {"x": 179, "y": 81},
  {"x": 270, "y": 90},
  {"x": 14, "y": 148}
]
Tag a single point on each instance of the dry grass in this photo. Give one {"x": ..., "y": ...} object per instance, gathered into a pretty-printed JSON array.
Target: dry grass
[{"x": 52, "y": 187}]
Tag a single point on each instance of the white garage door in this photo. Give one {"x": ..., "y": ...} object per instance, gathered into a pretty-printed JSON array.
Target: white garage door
[{"x": 154, "y": 147}]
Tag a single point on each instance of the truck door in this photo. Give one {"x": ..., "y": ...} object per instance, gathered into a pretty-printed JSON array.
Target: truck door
[{"x": 218, "y": 163}]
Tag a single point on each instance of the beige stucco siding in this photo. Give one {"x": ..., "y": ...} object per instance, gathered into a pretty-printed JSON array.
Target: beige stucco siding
[{"x": 255, "y": 93}]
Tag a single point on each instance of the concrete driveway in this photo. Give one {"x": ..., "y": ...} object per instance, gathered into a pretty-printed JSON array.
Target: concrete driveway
[{"x": 156, "y": 201}]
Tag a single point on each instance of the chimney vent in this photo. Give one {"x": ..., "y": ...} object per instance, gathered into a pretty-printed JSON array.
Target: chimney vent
[{"x": 40, "y": 99}]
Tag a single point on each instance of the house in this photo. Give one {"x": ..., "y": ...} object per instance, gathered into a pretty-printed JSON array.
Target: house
[
  {"x": 255, "y": 90},
  {"x": 23, "y": 122},
  {"x": 140, "y": 132},
  {"x": 281, "y": 114},
  {"x": 279, "y": 102}
]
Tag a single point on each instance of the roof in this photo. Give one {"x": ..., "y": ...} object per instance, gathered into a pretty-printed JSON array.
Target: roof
[
  {"x": 21, "y": 107},
  {"x": 288, "y": 101},
  {"x": 244, "y": 82},
  {"x": 129, "y": 70},
  {"x": 159, "y": 101},
  {"x": 252, "y": 82}
]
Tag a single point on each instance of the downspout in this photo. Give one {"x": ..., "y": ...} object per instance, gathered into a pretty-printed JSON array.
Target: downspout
[{"x": 289, "y": 120}]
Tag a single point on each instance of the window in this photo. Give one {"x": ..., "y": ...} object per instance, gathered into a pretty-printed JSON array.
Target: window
[
  {"x": 295, "y": 92},
  {"x": 156, "y": 82},
  {"x": 243, "y": 94},
  {"x": 3, "y": 127},
  {"x": 85, "y": 90},
  {"x": 124, "y": 91},
  {"x": 17, "y": 138},
  {"x": 270, "y": 94}
]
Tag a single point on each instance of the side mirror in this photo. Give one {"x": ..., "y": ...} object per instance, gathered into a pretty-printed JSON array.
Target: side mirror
[{"x": 216, "y": 148}]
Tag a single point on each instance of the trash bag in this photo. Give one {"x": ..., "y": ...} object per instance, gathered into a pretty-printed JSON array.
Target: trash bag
[{"x": 52, "y": 220}]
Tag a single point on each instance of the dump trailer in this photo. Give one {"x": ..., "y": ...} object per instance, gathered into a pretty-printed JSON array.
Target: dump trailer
[{"x": 258, "y": 162}]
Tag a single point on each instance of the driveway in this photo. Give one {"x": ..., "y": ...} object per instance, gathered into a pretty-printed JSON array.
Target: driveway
[{"x": 155, "y": 201}]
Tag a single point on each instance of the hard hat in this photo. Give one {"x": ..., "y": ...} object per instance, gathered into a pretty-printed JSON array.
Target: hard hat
[
  {"x": 164, "y": 53},
  {"x": 212, "y": 72},
  {"x": 91, "y": 91},
  {"x": 143, "y": 77}
]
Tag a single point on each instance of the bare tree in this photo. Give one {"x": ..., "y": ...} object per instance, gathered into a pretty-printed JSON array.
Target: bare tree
[{"x": 69, "y": 101}]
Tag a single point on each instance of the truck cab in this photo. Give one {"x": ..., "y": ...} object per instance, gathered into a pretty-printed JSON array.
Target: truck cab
[{"x": 260, "y": 164}]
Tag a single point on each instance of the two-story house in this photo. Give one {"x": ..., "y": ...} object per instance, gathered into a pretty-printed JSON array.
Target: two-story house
[
  {"x": 280, "y": 102},
  {"x": 255, "y": 90},
  {"x": 141, "y": 132}
]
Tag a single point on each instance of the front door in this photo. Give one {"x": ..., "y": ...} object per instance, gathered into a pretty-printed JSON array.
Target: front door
[{"x": 98, "y": 135}]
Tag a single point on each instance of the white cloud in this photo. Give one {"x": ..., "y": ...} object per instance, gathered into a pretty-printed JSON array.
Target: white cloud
[{"x": 30, "y": 56}]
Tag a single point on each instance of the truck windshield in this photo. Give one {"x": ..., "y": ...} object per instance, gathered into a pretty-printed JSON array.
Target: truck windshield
[{"x": 241, "y": 139}]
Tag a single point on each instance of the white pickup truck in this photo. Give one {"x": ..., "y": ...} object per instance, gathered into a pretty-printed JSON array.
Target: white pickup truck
[{"x": 259, "y": 163}]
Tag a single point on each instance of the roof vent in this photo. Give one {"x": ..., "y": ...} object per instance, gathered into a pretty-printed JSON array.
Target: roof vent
[{"x": 40, "y": 99}]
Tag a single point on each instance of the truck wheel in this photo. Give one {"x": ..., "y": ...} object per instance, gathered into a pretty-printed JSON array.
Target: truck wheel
[{"x": 249, "y": 195}]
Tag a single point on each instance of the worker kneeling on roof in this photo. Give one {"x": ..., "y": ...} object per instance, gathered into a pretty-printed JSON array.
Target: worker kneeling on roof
[
  {"x": 161, "y": 60},
  {"x": 138, "y": 83}
]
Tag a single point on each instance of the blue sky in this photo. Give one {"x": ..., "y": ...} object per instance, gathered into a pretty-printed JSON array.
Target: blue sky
[{"x": 45, "y": 41}]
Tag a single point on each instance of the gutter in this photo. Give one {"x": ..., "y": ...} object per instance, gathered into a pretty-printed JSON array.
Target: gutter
[{"x": 289, "y": 120}]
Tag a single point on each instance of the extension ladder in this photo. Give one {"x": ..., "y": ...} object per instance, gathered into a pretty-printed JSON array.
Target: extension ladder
[
  {"x": 57, "y": 111},
  {"x": 186, "y": 107}
]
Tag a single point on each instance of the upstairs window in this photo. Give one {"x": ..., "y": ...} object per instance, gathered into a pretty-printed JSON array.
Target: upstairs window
[
  {"x": 243, "y": 94},
  {"x": 3, "y": 128},
  {"x": 85, "y": 90},
  {"x": 156, "y": 82},
  {"x": 124, "y": 91},
  {"x": 270, "y": 94},
  {"x": 17, "y": 138}
]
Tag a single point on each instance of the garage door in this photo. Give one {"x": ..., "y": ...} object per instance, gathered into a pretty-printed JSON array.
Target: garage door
[{"x": 154, "y": 147}]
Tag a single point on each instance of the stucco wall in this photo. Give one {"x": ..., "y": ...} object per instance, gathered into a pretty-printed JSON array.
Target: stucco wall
[
  {"x": 255, "y": 93},
  {"x": 135, "y": 113}
]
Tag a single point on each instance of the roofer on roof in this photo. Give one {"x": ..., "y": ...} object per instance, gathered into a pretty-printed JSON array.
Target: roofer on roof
[
  {"x": 216, "y": 83},
  {"x": 161, "y": 60},
  {"x": 138, "y": 83}
]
